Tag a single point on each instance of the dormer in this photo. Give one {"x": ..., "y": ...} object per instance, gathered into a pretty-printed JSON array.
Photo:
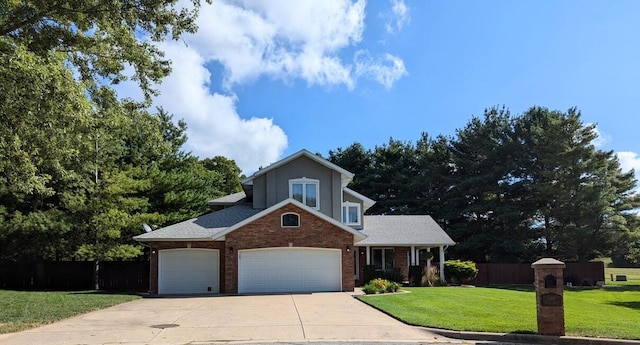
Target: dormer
[
  {"x": 354, "y": 205},
  {"x": 305, "y": 177}
]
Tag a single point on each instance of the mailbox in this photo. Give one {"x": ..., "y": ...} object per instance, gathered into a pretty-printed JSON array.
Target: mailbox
[{"x": 548, "y": 274}]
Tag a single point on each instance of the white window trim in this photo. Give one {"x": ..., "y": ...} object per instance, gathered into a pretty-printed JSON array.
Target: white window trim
[
  {"x": 305, "y": 181},
  {"x": 352, "y": 204},
  {"x": 289, "y": 226}
]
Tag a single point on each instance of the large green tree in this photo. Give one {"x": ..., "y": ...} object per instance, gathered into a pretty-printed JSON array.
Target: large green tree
[
  {"x": 508, "y": 187},
  {"x": 100, "y": 38},
  {"x": 485, "y": 213},
  {"x": 579, "y": 195}
]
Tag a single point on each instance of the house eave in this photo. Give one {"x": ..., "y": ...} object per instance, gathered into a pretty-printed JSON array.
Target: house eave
[
  {"x": 192, "y": 239},
  {"x": 391, "y": 244}
]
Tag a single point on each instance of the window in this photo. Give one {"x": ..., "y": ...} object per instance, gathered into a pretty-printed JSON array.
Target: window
[
  {"x": 290, "y": 220},
  {"x": 351, "y": 213},
  {"x": 306, "y": 191},
  {"x": 383, "y": 258}
]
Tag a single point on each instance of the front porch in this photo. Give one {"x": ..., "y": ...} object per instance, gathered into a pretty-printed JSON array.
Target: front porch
[{"x": 395, "y": 261}]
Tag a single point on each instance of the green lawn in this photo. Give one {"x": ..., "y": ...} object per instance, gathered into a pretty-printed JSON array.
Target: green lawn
[
  {"x": 612, "y": 312},
  {"x": 21, "y": 310}
]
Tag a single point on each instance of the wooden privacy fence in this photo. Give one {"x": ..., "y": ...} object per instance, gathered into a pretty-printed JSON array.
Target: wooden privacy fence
[
  {"x": 576, "y": 273},
  {"x": 74, "y": 275}
]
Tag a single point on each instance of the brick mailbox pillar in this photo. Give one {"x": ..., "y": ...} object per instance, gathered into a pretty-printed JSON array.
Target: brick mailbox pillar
[{"x": 549, "y": 300}]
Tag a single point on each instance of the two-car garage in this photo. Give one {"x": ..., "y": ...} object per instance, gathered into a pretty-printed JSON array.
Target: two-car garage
[
  {"x": 269, "y": 270},
  {"x": 289, "y": 270}
]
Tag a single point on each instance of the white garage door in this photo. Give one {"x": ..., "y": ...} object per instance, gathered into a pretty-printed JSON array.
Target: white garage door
[
  {"x": 289, "y": 270},
  {"x": 188, "y": 271}
]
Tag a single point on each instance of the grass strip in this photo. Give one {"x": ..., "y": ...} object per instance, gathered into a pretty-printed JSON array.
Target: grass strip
[{"x": 20, "y": 310}]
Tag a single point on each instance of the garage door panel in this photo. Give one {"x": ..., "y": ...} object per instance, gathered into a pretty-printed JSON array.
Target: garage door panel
[
  {"x": 187, "y": 271},
  {"x": 289, "y": 270}
]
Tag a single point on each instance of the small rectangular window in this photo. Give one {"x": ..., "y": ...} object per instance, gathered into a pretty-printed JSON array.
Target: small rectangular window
[{"x": 351, "y": 213}]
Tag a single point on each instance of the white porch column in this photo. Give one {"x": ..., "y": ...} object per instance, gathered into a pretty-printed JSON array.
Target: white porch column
[
  {"x": 368, "y": 252},
  {"x": 442, "y": 263},
  {"x": 413, "y": 255},
  {"x": 428, "y": 261}
]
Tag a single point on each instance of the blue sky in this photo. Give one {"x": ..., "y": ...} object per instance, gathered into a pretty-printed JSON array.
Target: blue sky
[{"x": 261, "y": 80}]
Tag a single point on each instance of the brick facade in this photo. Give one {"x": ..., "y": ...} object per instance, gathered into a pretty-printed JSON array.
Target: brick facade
[{"x": 267, "y": 232}]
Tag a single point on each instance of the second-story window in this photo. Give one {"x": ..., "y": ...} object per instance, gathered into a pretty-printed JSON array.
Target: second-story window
[
  {"x": 306, "y": 191},
  {"x": 351, "y": 213}
]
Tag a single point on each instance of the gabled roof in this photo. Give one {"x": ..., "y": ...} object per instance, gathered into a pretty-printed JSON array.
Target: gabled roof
[
  {"x": 403, "y": 231},
  {"x": 367, "y": 203},
  {"x": 227, "y": 200},
  {"x": 357, "y": 234},
  {"x": 201, "y": 228},
  {"x": 214, "y": 226},
  {"x": 346, "y": 175}
]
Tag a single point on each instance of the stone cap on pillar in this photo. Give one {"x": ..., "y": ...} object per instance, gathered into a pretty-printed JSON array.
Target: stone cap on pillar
[{"x": 548, "y": 263}]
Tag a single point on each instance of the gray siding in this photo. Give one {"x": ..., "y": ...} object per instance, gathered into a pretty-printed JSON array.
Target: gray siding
[
  {"x": 259, "y": 192},
  {"x": 273, "y": 186}
]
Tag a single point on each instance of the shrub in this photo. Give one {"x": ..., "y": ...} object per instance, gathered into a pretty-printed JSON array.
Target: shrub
[
  {"x": 393, "y": 287},
  {"x": 393, "y": 275},
  {"x": 369, "y": 289},
  {"x": 369, "y": 273},
  {"x": 380, "y": 285},
  {"x": 458, "y": 271},
  {"x": 415, "y": 275}
]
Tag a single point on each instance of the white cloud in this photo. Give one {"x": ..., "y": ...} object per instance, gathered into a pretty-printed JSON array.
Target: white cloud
[
  {"x": 601, "y": 139},
  {"x": 398, "y": 18},
  {"x": 385, "y": 70},
  {"x": 279, "y": 39},
  {"x": 629, "y": 160},
  {"x": 284, "y": 40},
  {"x": 214, "y": 125}
]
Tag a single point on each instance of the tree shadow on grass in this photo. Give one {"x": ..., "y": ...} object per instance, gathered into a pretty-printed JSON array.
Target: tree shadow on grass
[
  {"x": 521, "y": 288},
  {"x": 107, "y": 292},
  {"x": 531, "y": 288},
  {"x": 628, "y": 304}
]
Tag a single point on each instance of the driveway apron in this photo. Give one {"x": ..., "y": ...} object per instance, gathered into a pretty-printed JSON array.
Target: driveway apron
[{"x": 297, "y": 317}]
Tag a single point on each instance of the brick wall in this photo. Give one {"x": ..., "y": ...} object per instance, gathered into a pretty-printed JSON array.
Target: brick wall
[
  {"x": 401, "y": 261},
  {"x": 267, "y": 232}
]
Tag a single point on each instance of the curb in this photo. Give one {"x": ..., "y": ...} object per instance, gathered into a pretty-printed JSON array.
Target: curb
[{"x": 529, "y": 338}]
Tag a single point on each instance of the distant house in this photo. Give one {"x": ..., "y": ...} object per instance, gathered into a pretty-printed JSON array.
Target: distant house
[{"x": 296, "y": 227}]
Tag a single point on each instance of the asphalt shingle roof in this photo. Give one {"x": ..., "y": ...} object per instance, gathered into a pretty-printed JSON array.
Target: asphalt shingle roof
[
  {"x": 228, "y": 199},
  {"x": 409, "y": 230},
  {"x": 380, "y": 230},
  {"x": 203, "y": 227}
]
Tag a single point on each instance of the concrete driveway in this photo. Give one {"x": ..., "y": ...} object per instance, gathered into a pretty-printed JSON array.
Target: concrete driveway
[{"x": 299, "y": 317}]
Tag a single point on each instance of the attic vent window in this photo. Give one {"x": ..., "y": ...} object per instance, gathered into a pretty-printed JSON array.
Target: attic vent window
[{"x": 290, "y": 220}]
